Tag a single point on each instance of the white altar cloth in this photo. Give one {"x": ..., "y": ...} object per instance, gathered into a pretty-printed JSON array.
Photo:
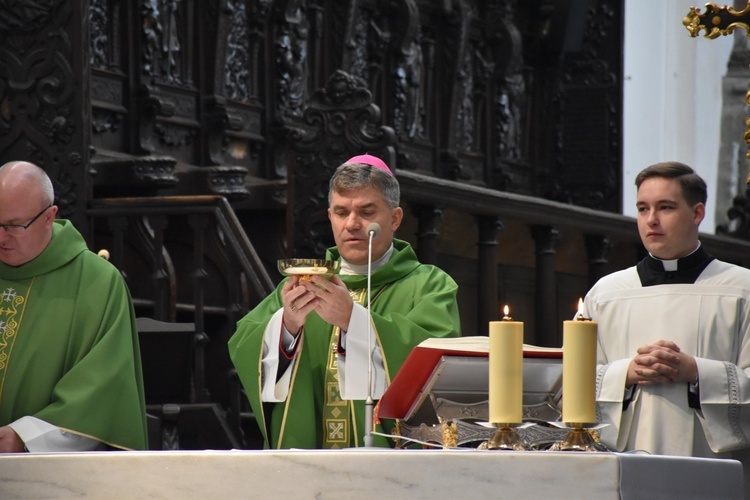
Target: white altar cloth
[{"x": 370, "y": 473}]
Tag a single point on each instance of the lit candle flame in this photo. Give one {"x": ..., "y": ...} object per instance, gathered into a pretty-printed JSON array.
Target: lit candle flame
[
  {"x": 506, "y": 313},
  {"x": 580, "y": 316}
]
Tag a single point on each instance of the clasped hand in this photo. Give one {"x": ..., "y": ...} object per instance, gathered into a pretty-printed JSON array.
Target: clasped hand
[
  {"x": 661, "y": 363},
  {"x": 330, "y": 299}
]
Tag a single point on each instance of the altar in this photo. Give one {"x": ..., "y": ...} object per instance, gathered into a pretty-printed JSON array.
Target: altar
[{"x": 366, "y": 473}]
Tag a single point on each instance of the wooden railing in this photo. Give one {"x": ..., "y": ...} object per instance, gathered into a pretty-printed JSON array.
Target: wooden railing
[
  {"x": 202, "y": 211},
  {"x": 187, "y": 259},
  {"x": 608, "y": 242},
  {"x": 418, "y": 188}
]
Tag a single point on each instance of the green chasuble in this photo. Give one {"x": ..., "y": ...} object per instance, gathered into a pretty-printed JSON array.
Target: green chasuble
[
  {"x": 69, "y": 346},
  {"x": 411, "y": 302}
]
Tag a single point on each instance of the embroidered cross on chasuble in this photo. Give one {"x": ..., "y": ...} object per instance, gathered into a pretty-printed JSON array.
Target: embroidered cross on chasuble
[{"x": 337, "y": 412}]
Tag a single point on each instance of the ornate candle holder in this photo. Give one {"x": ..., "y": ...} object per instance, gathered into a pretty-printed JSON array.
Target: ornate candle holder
[
  {"x": 579, "y": 438},
  {"x": 506, "y": 438}
]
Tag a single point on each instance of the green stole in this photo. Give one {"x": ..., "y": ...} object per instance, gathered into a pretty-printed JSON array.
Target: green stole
[
  {"x": 337, "y": 412},
  {"x": 10, "y": 322}
]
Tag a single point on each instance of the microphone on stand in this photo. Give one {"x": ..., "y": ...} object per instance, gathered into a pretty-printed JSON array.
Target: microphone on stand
[{"x": 373, "y": 229}]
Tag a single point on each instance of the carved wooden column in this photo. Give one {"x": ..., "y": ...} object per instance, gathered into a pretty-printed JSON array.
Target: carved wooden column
[
  {"x": 163, "y": 294},
  {"x": 545, "y": 296},
  {"x": 429, "y": 216},
  {"x": 118, "y": 225},
  {"x": 597, "y": 247},
  {"x": 199, "y": 224},
  {"x": 454, "y": 88},
  {"x": 487, "y": 301}
]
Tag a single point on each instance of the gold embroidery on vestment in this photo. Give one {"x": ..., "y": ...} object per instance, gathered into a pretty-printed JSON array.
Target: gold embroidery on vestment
[{"x": 11, "y": 316}]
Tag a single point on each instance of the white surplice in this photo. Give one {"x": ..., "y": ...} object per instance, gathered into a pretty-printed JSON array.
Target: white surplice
[
  {"x": 353, "y": 376},
  {"x": 709, "y": 320},
  {"x": 360, "y": 344}
]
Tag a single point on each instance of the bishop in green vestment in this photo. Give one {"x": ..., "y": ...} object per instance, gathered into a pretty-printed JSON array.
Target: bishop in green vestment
[
  {"x": 69, "y": 352},
  {"x": 302, "y": 354}
]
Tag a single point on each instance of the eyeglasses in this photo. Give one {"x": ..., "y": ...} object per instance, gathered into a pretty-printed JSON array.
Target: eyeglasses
[{"x": 17, "y": 229}]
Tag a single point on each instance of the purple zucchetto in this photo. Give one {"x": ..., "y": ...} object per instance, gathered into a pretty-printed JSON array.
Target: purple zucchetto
[{"x": 373, "y": 161}]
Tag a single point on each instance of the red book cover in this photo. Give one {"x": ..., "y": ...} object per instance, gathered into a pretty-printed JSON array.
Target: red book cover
[{"x": 420, "y": 364}]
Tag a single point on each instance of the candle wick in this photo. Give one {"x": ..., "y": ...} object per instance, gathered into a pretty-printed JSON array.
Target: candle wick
[{"x": 581, "y": 317}]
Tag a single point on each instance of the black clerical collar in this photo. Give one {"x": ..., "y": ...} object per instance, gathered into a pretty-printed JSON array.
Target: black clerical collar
[{"x": 652, "y": 271}]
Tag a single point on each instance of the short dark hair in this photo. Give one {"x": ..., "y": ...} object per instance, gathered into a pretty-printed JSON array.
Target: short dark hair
[
  {"x": 353, "y": 176},
  {"x": 693, "y": 186}
]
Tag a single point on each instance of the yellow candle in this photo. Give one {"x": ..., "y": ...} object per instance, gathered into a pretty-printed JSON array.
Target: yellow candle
[
  {"x": 579, "y": 371},
  {"x": 506, "y": 371}
]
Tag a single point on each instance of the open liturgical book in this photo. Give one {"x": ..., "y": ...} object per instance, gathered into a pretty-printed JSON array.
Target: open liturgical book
[
  {"x": 481, "y": 345},
  {"x": 457, "y": 369}
]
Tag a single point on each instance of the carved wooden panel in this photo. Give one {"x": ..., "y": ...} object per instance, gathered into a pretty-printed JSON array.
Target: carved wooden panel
[
  {"x": 44, "y": 95},
  {"x": 517, "y": 96},
  {"x": 341, "y": 122},
  {"x": 499, "y": 93},
  {"x": 585, "y": 110}
]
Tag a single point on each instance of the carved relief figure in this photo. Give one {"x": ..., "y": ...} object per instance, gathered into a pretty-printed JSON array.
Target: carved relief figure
[
  {"x": 358, "y": 48},
  {"x": 291, "y": 56},
  {"x": 171, "y": 46},
  {"x": 99, "y": 26},
  {"x": 291, "y": 47},
  {"x": 161, "y": 39},
  {"x": 408, "y": 110},
  {"x": 238, "y": 54},
  {"x": 152, "y": 30},
  {"x": 465, "y": 123},
  {"x": 509, "y": 104},
  {"x": 510, "y": 98}
]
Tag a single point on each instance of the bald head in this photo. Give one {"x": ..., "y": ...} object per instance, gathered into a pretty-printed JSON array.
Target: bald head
[
  {"x": 25, "y": 176},
  {"x": 27, "y": 214}
]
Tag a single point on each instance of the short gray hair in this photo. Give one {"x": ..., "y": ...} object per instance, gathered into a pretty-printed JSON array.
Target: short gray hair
[{"x": 354, "y": 176}]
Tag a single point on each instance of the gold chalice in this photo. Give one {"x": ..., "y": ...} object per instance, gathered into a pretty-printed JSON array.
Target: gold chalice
[{"x": 306, "y": 268}]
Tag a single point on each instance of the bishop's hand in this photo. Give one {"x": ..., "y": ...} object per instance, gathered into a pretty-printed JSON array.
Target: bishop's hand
[
  {"x": 332, "y": 300},
  {"x": 298, "y": 302}
]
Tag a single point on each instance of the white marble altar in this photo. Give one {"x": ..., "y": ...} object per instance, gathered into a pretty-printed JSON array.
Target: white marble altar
[{"x": 371, "y": 473}]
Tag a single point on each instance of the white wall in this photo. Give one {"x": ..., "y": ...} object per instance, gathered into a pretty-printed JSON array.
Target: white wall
[{"x": 672, "y": 95}]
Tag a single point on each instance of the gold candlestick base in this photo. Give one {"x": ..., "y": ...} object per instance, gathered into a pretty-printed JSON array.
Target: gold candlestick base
[
  {"x": 506, "y": 438},
  {"x": 578, "y": 439}
]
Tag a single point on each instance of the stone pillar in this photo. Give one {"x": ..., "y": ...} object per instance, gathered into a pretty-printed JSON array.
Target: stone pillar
[
  {"x": 487, "y": 300},
  {"x": 428, "y": 216},
  {"x": 597, "y": 247},
  {"x": 548, "y": 328}
]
